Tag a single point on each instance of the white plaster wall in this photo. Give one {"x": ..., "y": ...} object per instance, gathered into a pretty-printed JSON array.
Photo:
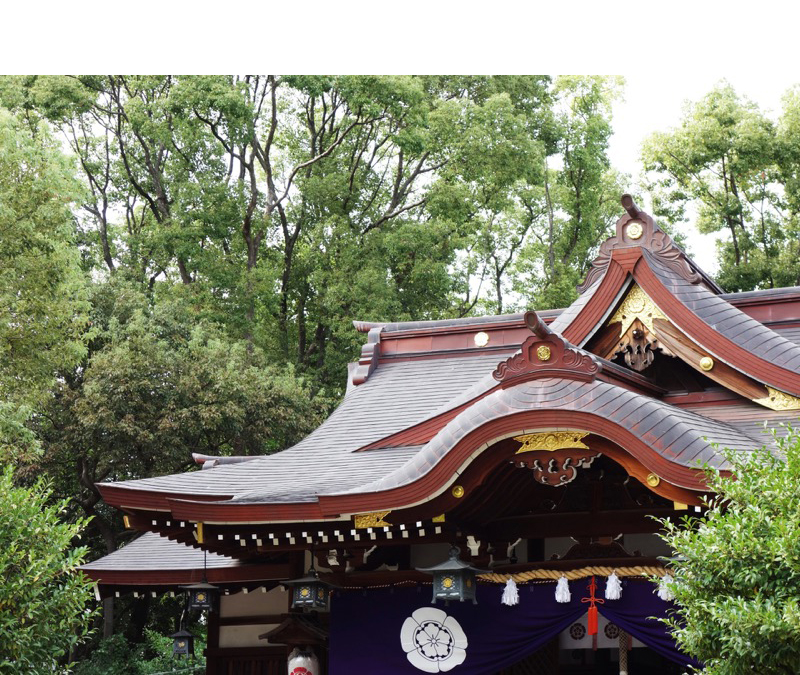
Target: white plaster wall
[
  {"x": 557, "y": 546},
  {"x": 255, "y": 603},
  {"x": 244, "y": 636},
  {"x": 647, "y": 544}
]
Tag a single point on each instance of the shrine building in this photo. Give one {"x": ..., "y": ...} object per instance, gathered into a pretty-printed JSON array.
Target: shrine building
[{"x": 481, "y": 501}]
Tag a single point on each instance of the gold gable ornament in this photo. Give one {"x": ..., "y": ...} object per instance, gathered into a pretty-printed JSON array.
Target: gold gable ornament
[
  {"x": 778, "y": 400},
  {"x": 362, "y": 521},
  {"x": 637, "y": 305},
  {"x": 551, "y": 441}
]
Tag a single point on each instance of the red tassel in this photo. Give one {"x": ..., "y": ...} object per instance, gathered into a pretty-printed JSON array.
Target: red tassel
[{"x": 592, "y": 620}]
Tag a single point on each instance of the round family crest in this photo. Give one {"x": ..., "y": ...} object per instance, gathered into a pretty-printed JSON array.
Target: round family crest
[
  {"x": 577, "y": 631},
  {"x": 433, "y": 641},
  {"x": 612, "y": 631},
  {"x": 635, "y": 230}
]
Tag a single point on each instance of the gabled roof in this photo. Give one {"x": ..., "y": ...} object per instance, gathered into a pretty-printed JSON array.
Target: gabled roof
[{"x": 642, "y": 254}]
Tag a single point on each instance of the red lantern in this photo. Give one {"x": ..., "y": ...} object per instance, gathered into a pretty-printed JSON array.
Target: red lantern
[{"x": 303, "y": 662}]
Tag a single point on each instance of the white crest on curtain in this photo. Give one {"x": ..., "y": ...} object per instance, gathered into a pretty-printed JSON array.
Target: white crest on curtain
[{"x": 433, "y": 641}]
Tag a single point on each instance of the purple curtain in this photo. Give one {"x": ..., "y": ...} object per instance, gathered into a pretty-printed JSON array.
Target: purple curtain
[
  {"x": 383, "y": 630},
  {"x": 635, "y": 613}
]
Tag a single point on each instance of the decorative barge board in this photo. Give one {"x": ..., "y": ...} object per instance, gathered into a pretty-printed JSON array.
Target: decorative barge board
[{"x": 512, "y": 437}]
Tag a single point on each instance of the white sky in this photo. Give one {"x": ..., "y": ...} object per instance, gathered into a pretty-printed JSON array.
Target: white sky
[{"x": 655, "y": 103}]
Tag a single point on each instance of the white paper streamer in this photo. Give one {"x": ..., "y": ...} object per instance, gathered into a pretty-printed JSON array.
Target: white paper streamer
[
  {"x": 510, "y": 593},
  {"x": 665, "y": 588},
  {"x": 562, "y": 590},
  {"x": 613, "y": 587}
]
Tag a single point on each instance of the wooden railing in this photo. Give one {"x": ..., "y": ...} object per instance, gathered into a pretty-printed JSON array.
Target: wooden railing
[{"x": 246, "y": 661}]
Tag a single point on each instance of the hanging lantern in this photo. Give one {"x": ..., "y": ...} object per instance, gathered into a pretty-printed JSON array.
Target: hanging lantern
[
  {"x": 453, "y": 579},
  {"x": 310, "y": 592},
  {"x": 202, "y": 596},
  {"x": 183, "y": 644}
]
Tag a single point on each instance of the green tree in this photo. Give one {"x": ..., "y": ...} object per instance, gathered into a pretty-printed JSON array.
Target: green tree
[
  {"x": 289, "y": 205},
  {"x": 43, "y": 299},
  {"x": 734, "y": 165},
  {"x": 43, "y": 329},
  {"x": 42, "y": 595},
  {"x": 159, "y": 385},
  {"x": 572, "y": 210},
  {"x": 738, "y": 568}
]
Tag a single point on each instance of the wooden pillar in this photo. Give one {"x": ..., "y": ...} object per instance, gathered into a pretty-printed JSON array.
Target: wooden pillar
[{"x": 212, "y": 642}]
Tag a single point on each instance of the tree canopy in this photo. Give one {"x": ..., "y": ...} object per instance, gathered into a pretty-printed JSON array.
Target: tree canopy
[{"x": 739, "y": 169}]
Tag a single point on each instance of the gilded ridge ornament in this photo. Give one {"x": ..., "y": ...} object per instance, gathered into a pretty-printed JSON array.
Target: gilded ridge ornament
[
  {"x": 543, "y": 353},
  {"x": 481, "y": 339},
  {"x": 635, "y": 230},
  {"x": 550, "y": 441},
  {"x": 778, "y": 400},
  {"x": 376, "y": 519},
  {"x": 458, "y": 491},
  {"x": 706, "y": 363},
  {"x": 637, "y": 305}
]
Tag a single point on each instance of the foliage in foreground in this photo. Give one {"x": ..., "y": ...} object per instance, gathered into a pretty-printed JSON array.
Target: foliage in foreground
[
  {"x": 738, "y": 588},
  {"x": 116, "y": 656},
  {"x": 43, "y": 598}
]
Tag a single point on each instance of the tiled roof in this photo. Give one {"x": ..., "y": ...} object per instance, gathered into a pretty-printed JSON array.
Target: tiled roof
[
  {"x": 728, "y": 320},
  {"x": 140, "y": 554},
  {"x": 397, "y": 395}
]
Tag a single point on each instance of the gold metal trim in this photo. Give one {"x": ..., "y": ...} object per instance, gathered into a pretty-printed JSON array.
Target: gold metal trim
[
  {"x": 375, "y": 519},
  {"x": 543, "y": 353},
  {"x": 438, "y": 519},
  {"x": 652, "y": 480},
  {"x": 200, "y": 533},
  {"x": 458, "y": 491},
  {"x": 552, "y": 441},
  {"x": 635, "y": 230},
  {"x": 126, "y": 521},
  {"x": 637, "y": 305},
  {"x": 481, "y": 339},
  {"x": 706, "y": 363},
  {"x": 778, "y": 400}
]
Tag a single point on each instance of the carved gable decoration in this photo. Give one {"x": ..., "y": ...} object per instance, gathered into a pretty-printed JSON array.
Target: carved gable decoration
[
  {"x": 638, "y": 229},
  {"x": 546, "y": 354}
]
